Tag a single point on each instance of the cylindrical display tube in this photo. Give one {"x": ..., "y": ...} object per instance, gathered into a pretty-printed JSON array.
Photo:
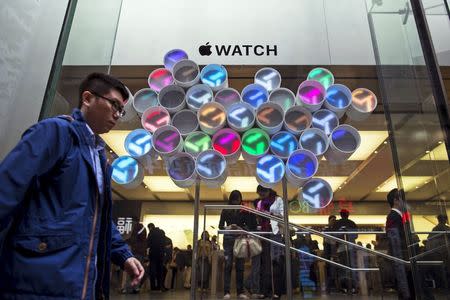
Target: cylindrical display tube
[
  {"x": 301, "y": 165},
  {"x": 344, "y": 141},
  {"x": 227, "y": 142},
  {"x": 311, "y": 94},
  {"x": 255, "y": 143},
  {"x": 160, "y": 78},
  {"x": 322, "y": 75},
  {"x": 270, "y": 117},
  {"x": 181, "y": 169},
  {"x": 269, "y": 78},
  {"x": 255, "y": 95},
  {"x": 325, "y": 120},
  {"x": 130, "y": 113},
  {"x": 284, "y": 97},
  {"x": 186, "y": 73},
  {"x": 314, "y": 140},
  {"x": 316, "y": 192},
  {"x": 211, "y": 166},
  {"x": 127, "y": 172},
  {"x": 172, "y": 98},
  {"x": 215, "y": 76},
  {"x": 154, "y": 118},
  {"x": 282, "y": 144},
  {"x": 197, "y": 142},
  {"x": 174, "y": 56},
  {"x": 185, "y": 121},
  {"x": 363, "y": 104},
  {"x": 211, "y": 117},
  {"x": 241, "y": 116},
  {"x": 338, "y": 98},
  {"x": 198, "y": 95},
  {"x": 297, "y": 119},
  {"x": 139, "y": 145},
  {"x": 143, "y": 99},
  {"x": 269, "y": 170},
  {"x": 227, "y": 97},
  {"x": 167, "y": 141}
]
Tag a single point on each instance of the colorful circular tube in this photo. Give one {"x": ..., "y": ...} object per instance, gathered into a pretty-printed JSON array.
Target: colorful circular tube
[
  {"x": 363, "y": 104},
  {"x": 284, "y": 97},
  {"x": 301, "y": 166},
  {"x": 338, "y": 99},
  {"x": 255, "y": 95},
  {"x": 311, "y": 94},
  {"x": 143, "y": 99},
  {"x": 269, "y": 78},
  {"x": 197, "y": 142},
  {"x": 325, "y": 120},
  {"x": 241, "y": 116},
  {"x": 138, "y": 143},
  {"x": 322, "y": 75},
  {"x": 211, "y": 117},
  {"x": 154, "y": 118},
  {"x": 185, "y": 121},
  {"x": 269, "y": 170},
  {"x": 270, "y": 117},
  {"x": 167, "y": 141},
  {"x": 297, "y": 119},
  {"x": 130, "y": 113},
  {"x": 160, "y": 78},
  {"x": 186, "y": 73},
  {"x": 172, "y": 98},
  {"x": 283, "y": 144},
  {"x": 314, "y": 140},
  {"x": 255, "y": 143},
  {"x": 211, "y": 166},
  {"x": 127, "y": 172},
  {"x": 317, "y": 193},
  {"x": 198, "y": 95},
  {"x": 228, "y": 143},
  {"x": 174, "y": 56},
  {"x": 215, "y": 76},
  {"x": 181, "y": 169},
  {"x": 227, "y": 97},
  {"x": 344, "y": 141}
]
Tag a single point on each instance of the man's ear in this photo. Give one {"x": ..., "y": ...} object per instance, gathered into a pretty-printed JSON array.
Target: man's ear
[{"x": 86, "y": 98}]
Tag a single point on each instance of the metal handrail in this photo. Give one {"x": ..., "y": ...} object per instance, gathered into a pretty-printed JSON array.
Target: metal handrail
[
  {"x": 319, "y": 233},
  {"x": 241, "y": 231}
]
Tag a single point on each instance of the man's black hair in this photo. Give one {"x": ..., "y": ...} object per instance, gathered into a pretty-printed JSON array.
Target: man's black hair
[
  {"x": 331, "y": 217},
  {"x": 234, "y": 196},
  {"x": 391, "y": 196},
  {"x": 442, "y": 219},
  {"x": 101, "y": 84}
]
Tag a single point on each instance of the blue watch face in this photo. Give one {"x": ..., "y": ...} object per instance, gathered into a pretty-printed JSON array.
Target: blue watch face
[
  {"x": 301, "y": 164},
  {"x": 124, "y": 169},
  {"x": 317, "y": 193},
  {"x": 270, "y": 169},
  {"x": 213, "y": 75},
  {"x": 138, "y": 142},
  {"x": 255, "y": 95},
  {"x": 182, "y": 167},
  {"x": 313, "y": 141},
  {"x": 240, "y": 115},
  {"x": 325, "y": 120},
  {"x": 338, "y": 96},
  {"x": 174, "y": 56},
  {"x": 211, "y": 164},
  {"x": 283, "y": 144}
]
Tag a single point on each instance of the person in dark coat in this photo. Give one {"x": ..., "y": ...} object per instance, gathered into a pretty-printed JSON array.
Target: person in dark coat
[
  {"x": 155, "y": 245},
  {"x": 56, "y": 189}
]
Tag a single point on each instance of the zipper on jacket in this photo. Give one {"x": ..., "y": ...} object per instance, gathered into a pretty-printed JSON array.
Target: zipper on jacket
[{"x": 91, "y": 246}]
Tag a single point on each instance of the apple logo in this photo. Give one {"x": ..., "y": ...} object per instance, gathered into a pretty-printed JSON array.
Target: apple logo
[{"x": 205, "y": 49}]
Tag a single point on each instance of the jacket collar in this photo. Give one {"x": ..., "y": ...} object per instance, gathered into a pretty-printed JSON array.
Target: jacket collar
[{"x": 86, "y": 135}]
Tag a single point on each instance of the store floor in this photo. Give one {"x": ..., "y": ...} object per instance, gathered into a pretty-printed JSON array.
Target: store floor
[{"x": 184, "y": 295}]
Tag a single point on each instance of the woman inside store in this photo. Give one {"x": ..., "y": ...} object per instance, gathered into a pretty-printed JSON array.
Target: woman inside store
[{"x": 231, "y": 219}]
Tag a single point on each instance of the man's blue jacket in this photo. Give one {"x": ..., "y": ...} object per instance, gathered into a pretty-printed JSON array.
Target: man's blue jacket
[{"x": 49, "y": 197}]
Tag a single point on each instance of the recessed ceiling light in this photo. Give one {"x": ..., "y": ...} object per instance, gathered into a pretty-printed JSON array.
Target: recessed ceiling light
[
  {"x": 440, "y": 142},
  {"x": 409, "y": 183},
  {"x": 428, "y": 151},
  {"x": 376, "y": 152},
  {"x": 385, "y": 142},
  {"x": 438, "y": 153}
]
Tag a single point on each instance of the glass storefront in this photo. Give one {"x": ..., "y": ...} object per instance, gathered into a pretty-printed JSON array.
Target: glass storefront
[{"x": 372, "y": 45}]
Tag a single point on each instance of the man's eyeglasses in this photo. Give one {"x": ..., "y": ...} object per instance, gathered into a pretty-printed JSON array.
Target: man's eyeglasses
[{"x": 115, "y": 105}]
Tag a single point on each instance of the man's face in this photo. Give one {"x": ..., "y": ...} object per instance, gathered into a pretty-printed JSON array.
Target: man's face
[
  {"x": 331, "y": 221},
  {"x": 100, "y": 112}
]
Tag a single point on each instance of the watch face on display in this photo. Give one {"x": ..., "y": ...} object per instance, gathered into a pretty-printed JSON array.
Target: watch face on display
[
  {"x": 210, "y": 164},
  {"x": 317, "y": 193},
  {"x": 270, "y": 169},
  {"x": 138, "y": 142},
  {"x": 283, "y": 144},
  {"x": 125, "y": 169},
  {"x": 181, "y": 167},
  {"x": 197, "y": 142}
]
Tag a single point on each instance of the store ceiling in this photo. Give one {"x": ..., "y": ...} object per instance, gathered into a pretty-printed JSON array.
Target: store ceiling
[{"x": 366, "y": 176}]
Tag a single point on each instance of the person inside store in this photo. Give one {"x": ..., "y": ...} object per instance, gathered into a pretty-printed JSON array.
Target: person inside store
[
  {"x": 156, "y": 250},
  {"x": 231, "y": 219},
  {"x": 204, "y": 254},
  {"x": 55, "y": 199},
  {"x": 395, "y": 233},
  {"x": 436, "y": 243},
  {"x": 138, "y": 245},
  {"x": 329, "y": 252},
  {"x": 347, "y": 254}
]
